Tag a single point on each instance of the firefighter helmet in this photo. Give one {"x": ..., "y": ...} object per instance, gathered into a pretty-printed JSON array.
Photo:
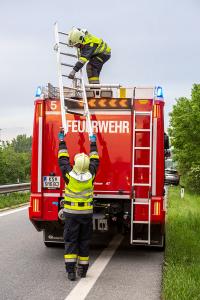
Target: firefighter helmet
[
  {"x": 76, "y": 36},
  {"x": 81, "y": 163}
]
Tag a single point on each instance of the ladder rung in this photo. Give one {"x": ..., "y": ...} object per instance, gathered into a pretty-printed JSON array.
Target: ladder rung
[
  {"x": 140, "y": 241},
  {"x": 141, "y": 199},
  {"x": 142, "y": 130},
  {"x": 65, "y": 44},
  {"x": 68, "y": 54},
  {"x": 142, "y": 148},
  {"x": 63, "y": 33},
  {"x": 74, "y": 112},
  {"x": 142, "y": 166},
  {"x": 74, "y": 100},
  {"x": 72, "y": 88},
  {"x": 67, "y": 65},
  {"x": 142, "y": 184},
  {"x": 141, "y": 203},
  {"x": 143, "y": 113},
  {"x": 140, "y": 222},
  {"x": 63, "y": 75}
]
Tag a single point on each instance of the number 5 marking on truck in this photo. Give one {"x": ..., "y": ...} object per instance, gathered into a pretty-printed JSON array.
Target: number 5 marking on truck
[{"x": 53, "y": 105}]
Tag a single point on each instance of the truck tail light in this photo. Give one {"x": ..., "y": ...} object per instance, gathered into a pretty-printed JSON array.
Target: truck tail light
[
  {"x": 36, "y": 205},
  {"x": 156, "y": 111},
  {"x": 156, "y": 210},
  {"x": 35, "y": 209}
]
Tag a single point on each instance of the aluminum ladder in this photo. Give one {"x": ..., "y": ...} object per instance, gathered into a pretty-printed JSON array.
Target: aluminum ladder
[
  {"x": 141, "y": 201},
  {"x": 75, "y": 85}
]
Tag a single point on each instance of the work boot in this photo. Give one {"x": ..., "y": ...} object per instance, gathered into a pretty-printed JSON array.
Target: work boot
[
  {"x": 72, "y": 276},
  {"x": 82, "y": 271},
  {"x": 71, "y": 270}
]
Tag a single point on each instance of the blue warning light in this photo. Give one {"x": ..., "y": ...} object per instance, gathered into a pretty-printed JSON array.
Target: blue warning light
[
  {"x": 38, "y": 91},
  {"x": 159, "y": 92}
]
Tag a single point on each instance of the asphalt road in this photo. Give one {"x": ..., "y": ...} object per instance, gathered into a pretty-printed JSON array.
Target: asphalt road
[{"x": 31, "y": 271}]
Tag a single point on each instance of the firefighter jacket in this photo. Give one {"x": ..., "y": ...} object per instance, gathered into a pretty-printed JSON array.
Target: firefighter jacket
[
  {"x": 78, "y": 187},
  {"x": 91, "y": 46}
]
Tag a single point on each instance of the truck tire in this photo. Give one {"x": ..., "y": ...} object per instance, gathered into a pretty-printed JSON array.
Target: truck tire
[{"x": 162, "y": 248}]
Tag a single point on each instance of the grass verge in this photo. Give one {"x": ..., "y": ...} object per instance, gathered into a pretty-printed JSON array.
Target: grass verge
[
  {"x": 13, "y": 199},
  {"x": 181, "y": 276}
]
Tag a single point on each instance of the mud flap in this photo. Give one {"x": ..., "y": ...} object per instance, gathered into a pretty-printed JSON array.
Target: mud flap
[{"x": 55, "y": 236}]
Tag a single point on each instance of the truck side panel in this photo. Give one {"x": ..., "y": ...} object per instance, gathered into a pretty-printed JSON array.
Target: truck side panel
[{"x": 114, "y": 175}]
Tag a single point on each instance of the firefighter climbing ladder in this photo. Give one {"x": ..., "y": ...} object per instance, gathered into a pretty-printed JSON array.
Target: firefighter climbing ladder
[
  {"x": 77, "y": 89},
  {"x": 141, "y": 201}
]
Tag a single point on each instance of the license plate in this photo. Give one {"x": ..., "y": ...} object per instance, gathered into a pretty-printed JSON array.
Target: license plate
[{"x": 51, "y": 182}]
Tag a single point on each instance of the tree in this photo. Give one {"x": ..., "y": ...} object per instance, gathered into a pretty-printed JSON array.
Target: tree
[
  {"x": 185, "y": 136},
  {"x": 15, "y": 160},
  {"x": 22, "y": 143}
]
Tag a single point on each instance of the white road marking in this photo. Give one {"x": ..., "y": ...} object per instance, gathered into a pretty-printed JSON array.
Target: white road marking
[
  {"x": 12, "y": 211},
  {"x": 81, "y": 290}
]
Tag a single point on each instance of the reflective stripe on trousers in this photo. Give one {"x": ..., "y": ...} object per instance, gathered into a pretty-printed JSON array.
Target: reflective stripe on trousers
[
  {"x": 70, "y": 258},
  {"x": 83, "y": 260}
]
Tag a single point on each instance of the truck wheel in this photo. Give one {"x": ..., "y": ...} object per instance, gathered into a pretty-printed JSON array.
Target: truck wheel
[{"x": 162, "y": 247}]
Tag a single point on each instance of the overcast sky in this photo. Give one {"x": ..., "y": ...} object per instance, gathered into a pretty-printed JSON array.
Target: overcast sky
[{"x": 153, "y": 42}]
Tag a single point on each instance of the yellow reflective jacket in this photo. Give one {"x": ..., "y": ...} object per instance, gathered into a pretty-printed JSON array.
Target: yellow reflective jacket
[
  {"x": 79, "y": 187},
  {"x": 90, "y": 47}
]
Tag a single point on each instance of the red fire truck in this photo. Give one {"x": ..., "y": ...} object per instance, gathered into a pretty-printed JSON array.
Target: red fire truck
[{"x": 129, "y": 186}]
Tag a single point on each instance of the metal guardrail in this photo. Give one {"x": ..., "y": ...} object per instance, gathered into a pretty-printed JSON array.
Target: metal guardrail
[{"x": 10, "y": 188}]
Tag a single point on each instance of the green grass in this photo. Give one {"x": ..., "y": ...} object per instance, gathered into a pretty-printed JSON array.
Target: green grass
[
  {"x": 13, "y": 199},
  {"x": 181, "y": 277}
]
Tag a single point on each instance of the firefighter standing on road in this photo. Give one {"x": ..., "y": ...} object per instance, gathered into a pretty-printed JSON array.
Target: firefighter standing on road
[
  {"x": 78, "y": 205},
  {"x": 92, "y": 50}
]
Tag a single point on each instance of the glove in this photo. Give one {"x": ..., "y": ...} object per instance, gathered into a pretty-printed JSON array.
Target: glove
[
  {"x": 72, "y": 74},
  {"x": 93, "y": 138},
  {"x": 61, "y": 136}
]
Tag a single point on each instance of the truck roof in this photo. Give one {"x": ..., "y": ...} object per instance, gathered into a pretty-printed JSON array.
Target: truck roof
[{"x": 98, "y": 91}]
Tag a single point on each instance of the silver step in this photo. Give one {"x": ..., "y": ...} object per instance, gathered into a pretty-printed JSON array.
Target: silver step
[
  {"x": 142, "y": 166},
  {"x": 72, "y": 88},
  {"x": 141, "y": 222},
  {"x": 142, "y": 113},
  {"x": 140, "y": 203},
  {"x": 140, "y": 241},
  {"x": 68, "y": 54},
  {"x": 145, "y": 200},
  {"x": 142, "y": 148},
  {"x": 142, "y": 130},
  {"x": 63, "y": 33},
  {"x": 63, "y": 75},
  {"x": 67, "y": 65},
  {"x": 142, "y": 184},
  {"x": 64, "y": 44}
]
